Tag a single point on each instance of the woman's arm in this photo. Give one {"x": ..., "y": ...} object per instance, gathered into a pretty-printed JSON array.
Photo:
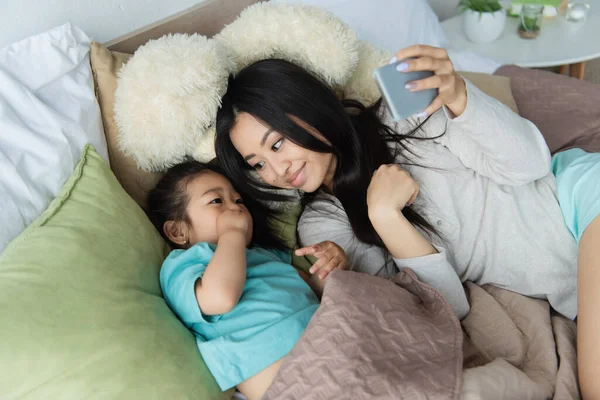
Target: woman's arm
[
  {"x": 325, "y": 219},
  {"x": 483, "y": 133},
  {"x": 492, "y": 140},
  {"x": 411, "y": 250},
  {"x": 391, "y": 188},
  {"x": 436, "y": 271},
  {"x": 391, "y": 226}
]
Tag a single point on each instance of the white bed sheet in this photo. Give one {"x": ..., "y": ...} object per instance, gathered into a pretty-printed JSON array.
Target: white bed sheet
[{"x": 48, "y": 112}]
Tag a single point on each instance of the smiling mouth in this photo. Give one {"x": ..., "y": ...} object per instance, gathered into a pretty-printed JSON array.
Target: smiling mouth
[{"x": 296, "y": 180}]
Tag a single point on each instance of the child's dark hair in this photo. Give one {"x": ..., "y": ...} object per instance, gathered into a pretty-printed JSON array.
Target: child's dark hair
[{"x": 168, "y": 201}]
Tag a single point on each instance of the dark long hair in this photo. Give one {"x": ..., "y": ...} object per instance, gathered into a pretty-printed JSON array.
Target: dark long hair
[
  {"x": 272, "y": 91},
  {"x": 169, "y": 199}
]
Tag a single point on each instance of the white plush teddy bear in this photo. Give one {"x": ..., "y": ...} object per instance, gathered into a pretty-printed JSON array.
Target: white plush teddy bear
[{"x": 169, "y": 92}]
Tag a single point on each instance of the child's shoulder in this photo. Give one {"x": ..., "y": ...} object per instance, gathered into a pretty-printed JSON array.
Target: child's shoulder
[{"x": 200, "y": 253}]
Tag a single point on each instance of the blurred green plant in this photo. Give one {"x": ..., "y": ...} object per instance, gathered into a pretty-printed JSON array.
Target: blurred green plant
[{"x": 480, "y": 6}]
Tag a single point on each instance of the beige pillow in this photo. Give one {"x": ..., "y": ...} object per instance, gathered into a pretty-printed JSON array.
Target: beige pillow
[
  {"x": 495, "y": 86},
  {"x": 137, "y": 183},
  {"x": 564, "y": 109},
  {"x": 105, "y": 66}
]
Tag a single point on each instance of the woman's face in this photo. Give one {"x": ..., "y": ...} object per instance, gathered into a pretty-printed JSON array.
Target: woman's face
[{"x": 278, "y": 160}]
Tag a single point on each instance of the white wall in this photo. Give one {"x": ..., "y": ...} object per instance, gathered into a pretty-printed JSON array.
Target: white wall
[{"x": 102, "y": 20}]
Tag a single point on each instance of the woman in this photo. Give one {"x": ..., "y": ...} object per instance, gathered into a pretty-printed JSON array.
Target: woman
[{"x": 463, "y": 193}]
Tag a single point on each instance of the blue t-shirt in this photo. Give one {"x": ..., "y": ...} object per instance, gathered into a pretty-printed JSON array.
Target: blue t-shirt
[{"x": 274, "y": 309}]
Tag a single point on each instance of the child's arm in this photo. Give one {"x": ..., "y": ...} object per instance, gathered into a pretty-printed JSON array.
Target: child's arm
[
  {"x": 315, "y": 283},
  {"x": 221, "y": 286},
  {"x": 330, "y": 256}
]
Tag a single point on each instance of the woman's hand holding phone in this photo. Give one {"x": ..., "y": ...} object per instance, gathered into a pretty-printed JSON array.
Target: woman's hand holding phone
[{"x": 452, "y": 91}]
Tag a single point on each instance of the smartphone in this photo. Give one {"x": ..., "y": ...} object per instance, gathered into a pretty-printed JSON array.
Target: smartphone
[{"x": 401, "y": 102}]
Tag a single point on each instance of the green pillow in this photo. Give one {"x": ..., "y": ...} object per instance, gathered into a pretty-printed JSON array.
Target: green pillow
[
  {"x": 81, "y": 309},
  {"x": 286, "y": 226}
]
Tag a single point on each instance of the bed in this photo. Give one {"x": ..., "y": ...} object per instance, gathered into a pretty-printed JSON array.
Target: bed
[{"x": 85, "y": 316}]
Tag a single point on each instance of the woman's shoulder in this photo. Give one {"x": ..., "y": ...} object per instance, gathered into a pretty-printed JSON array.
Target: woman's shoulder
[
  {"x": 322, "y": 205},
  {"x": 322, "y": 219}
]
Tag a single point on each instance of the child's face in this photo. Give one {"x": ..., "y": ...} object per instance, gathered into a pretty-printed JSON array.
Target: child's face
[{"x": 211, "y": 195}]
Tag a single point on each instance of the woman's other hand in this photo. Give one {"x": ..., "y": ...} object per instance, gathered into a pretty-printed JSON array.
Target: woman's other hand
[
  {"x": 451, "y": 87},
  {"x": 391, "y": 189},
  {"x": 329, "y": 256}
]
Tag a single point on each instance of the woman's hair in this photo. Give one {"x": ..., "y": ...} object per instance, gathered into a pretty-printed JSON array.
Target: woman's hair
[
  {"x": 169, "y": 199},
  {"x": 275, "y": 91}
]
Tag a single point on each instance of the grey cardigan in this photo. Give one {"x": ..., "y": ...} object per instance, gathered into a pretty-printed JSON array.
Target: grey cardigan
[{"x": 492, "y": 198}]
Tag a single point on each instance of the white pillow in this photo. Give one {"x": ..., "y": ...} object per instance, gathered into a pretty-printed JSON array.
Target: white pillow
[
  {"x": 387, "y": 24},
  {"x": 395, "y": 24},
  {"x": 48, "y": 112}
]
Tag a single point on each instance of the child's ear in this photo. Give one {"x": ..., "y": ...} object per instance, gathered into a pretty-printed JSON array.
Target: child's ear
[{"x": 176, "y": 231}]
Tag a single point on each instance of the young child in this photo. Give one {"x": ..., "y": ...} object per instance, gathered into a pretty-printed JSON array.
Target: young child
[{"x": 227, "y": 280}]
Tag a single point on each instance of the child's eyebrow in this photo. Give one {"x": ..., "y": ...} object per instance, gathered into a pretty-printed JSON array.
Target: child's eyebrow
[{"x": 217, "y": 190}]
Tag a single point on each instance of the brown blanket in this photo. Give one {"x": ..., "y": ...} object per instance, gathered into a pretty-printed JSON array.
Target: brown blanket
[
  {"x": 379, "y": 339},
  {"x": 516, "y": 348}
]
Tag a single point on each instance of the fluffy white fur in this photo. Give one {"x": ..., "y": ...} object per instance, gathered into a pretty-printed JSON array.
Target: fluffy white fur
[
  {"x": 167, "y": 97},
  {"x": 362, "y": 86},
  {"x": 305, "y": 35},
  {"x": 169, "y": 92},
  {"x": 205, "y": 148}
]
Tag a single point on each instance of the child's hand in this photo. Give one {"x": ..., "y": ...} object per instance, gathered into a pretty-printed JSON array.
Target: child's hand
[
  {"x": 233, "y": 221},
  {"x": 329, "y": 255}
]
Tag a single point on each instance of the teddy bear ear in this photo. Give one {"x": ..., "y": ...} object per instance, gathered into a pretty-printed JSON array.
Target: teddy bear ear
[
  {"x": 167, "y": 98},
  {"x": 304, "y": 35},
  {"x": 362, "y": 86}
]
